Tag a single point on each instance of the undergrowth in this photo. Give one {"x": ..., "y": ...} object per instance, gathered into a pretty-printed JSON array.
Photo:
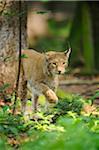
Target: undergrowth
[{"x": 71, "y": 124}]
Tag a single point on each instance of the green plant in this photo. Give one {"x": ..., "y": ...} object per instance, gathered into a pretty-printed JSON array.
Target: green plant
[{"x": 61, "y": 127}]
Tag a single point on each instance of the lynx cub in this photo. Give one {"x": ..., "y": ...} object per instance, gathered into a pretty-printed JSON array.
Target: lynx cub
[{"x": 41, "y": 73}]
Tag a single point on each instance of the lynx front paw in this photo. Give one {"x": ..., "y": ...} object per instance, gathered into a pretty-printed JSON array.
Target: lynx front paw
[{"x": 51, "y": 96}]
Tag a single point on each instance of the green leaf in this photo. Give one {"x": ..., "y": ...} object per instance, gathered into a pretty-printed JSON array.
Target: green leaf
[
  {"x": 24, "y": 56},
  {"x": 3, "y": 87},
  {"x": 41, "y": 12}
]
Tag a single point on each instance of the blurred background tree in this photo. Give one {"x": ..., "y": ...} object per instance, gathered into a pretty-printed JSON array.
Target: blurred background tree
[{"x": 52, "y": 24}]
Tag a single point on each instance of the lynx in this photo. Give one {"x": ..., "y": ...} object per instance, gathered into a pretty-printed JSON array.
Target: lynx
[{"x": 41, "y": 73}]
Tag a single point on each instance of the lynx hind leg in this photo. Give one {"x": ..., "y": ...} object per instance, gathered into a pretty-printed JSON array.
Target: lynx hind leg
[
  {"x": 26, "y": 105},
  {"x": 35, "y": 103},
  {"x": 23, "y": 95},
  {"x": 34, "y": 96}
]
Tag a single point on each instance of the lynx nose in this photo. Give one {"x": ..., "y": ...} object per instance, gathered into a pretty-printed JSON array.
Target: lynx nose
[{"x": 59, "y": 72}]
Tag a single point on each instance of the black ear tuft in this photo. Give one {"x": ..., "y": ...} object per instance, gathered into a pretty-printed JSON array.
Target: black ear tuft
[{"x": 67, "y": 52}]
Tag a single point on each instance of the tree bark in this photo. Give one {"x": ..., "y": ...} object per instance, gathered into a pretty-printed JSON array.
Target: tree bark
[
  {"x": 9, "y": 27},
  {"x": 10, "y": 41}
]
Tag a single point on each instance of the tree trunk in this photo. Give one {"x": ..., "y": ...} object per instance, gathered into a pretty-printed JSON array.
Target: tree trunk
[
  {"x": 9, "y": 27},
  {"x": 94, "y": 9},
  {"x": 87, "y": 39},
  {"x": 9, "y": 40},
  {"x": 82, "y": 40}
]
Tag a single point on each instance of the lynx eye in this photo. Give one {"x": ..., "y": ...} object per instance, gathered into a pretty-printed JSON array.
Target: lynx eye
[
  {"x": 63, "y": 63},
  {"x": 54, "y": 64}
]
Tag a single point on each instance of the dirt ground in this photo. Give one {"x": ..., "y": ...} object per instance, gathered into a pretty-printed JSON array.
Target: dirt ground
[{"x": 86, "y": 86}]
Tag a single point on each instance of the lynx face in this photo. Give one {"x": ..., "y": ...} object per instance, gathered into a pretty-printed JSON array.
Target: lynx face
[{"x": 57, "y": 62}]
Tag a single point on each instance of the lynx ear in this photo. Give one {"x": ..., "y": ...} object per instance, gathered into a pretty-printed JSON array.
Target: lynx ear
[
  {"x": 49, "y": 54},
  {"x": 67, "y": 52}
]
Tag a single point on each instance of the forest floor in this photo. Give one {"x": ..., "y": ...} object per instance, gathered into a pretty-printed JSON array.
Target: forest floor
[
  {"x": 72, "y": 113},
  {"x": 85, "y": 86}
]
